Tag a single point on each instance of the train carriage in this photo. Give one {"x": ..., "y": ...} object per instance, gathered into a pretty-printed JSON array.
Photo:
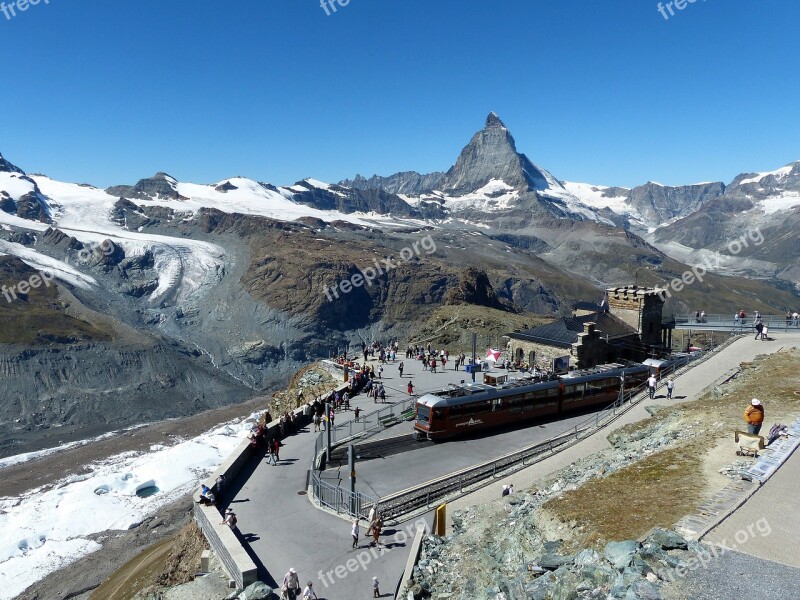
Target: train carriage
[{"x": 476, "y": 407}]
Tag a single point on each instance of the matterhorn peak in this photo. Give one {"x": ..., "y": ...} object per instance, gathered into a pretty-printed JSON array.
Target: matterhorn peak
[{"x": 494, "y": 121}]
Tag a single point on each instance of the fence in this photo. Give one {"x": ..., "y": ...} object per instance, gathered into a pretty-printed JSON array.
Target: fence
[
  {"x": 728, "y": 322},
  {"x": 431, "y": 493},
  {"x": 335, "y": 497}
]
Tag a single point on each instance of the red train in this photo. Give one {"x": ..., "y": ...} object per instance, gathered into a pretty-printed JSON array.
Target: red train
[{"x": 473, "y": 407}]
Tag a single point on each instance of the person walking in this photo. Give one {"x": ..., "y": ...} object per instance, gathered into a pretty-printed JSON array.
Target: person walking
[
  {"x": 317, "y": 421},
  {"x": 356, "y": 413},
  {"x": 670, "y": 389},
  {"x": 651, "y": 386},
  {"x": 410, "y": 388},
  {"x": 354, "y": 533},
  {"x": 276, "y": 448},
  {"x": 376, "y": 531},
  {"x": 400, "y": 368},
  {"x": 754, "y": 416},
  {"x": 291, "y": 584},
  {"x": 230, "y": 519},
  {"x": 380, "y": 371},
  {"x": 759, "y": 330},
  {"x": 309, "y": 592},
  {"x": 376, "y": 588},
  {"x": 271, "y": 454}
]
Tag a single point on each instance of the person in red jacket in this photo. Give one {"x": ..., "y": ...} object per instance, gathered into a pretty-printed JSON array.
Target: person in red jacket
[
  {"x": 754, "y": 415},
  {"x": 410, "y": 388}
]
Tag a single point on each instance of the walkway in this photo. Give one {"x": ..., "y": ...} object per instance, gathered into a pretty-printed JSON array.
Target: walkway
[{"x": 285, "y": 530}]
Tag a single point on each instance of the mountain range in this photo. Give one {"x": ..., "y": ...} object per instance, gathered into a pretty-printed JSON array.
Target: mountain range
[{"x": 170, "y": 297}]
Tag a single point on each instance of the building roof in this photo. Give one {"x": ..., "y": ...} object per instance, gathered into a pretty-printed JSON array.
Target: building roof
[{"x": 564, "y": 332}]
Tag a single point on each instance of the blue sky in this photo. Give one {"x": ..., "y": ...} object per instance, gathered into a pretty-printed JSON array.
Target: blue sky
[{"x": 605, "y": 92}]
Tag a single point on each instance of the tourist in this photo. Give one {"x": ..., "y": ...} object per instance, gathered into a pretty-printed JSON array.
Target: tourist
[
  {"x": 410, "y": 388},
  {"x": 376, "y": 531},
  {"x": 759, "y": 329},
  {"x": 376, "y": 588},
  {"x": 317, "y": 421},
  {"x": 354, "y": 533},
  {"x": 309, "y": 592},
  {"x": 382, "y": 393},
  {"x": 670, "y": 389},
  {"x": 400, "y": 368},
  {"x": 651, "y": 386},
  {"x": 271, "y": 454},
  {"x": 230, "y": 519},
  {"x": 506, "y": 490},
  {"x": 206, "y": 496},
  {"x": 291, "y": 584},
  {"x": 795, "y": 318},
  {"x": 380, "y": 371},
  {"x": 276, "y": 448},
  {"x": 754, "y": 416},
  {"x": 433, "y": 365}
]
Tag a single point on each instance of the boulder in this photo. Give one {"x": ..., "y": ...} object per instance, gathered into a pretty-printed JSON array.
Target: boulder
[
  {"x": 540, "y": 588},
  {"x": 642, "y": 590},
  {"x": 668, "y": 540},
  {"x": 620, "y": 554},
  {"x": 551, "y": 562},
  {"x": 256, "y": 591}
]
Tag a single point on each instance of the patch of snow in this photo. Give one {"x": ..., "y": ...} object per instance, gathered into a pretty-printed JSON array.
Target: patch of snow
[
  {"x": 317, "y": 183},
  {"x": 779, "y": 174},
  {"x": 785, "y": 201},
  {"x": 42, "y": 262},
  {"x": 15, "y": 185},
  {"x": 47, "y": 529}
]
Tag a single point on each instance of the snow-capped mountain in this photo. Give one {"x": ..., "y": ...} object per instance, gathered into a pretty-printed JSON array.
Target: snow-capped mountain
[{"x": 490, "y": 180}]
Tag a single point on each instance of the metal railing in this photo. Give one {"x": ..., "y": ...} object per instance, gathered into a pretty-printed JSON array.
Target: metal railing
[
  {"x": 729, "y": 322},
  {"x": 431, "y": 493},
  {"x": 335, "y": 497}
]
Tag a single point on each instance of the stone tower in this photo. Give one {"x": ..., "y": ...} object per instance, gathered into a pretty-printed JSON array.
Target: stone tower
[{"x": 641, "y": 308}]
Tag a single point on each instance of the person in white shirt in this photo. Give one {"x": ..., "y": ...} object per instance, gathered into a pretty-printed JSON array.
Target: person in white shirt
[
  {"x": 651, "y": 386},
  {"x": 354, "y": 533},
  {"x": 670, "y": 389},
  {"x": 309, "y": 592}
]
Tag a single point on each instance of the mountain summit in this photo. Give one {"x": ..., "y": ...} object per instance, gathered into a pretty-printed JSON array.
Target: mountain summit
[
  {"x": 492, "y": 154},
  {"x": 7, "y": 167}
]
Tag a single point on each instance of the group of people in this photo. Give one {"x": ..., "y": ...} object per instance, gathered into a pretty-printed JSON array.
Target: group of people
[
  {"x": 652, "y": 382},
  {"x": 374, "y": 527}
]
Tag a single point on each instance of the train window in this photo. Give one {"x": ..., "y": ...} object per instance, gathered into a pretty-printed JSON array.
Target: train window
[
  {"x": 438, "y": 414},
  {"x": 423, "y": 413},
  {"x": 497, "y": 404},
  {"x": 594, "y": 388},
  {"x": 514, "y": 405},
  {"x": 573, "y": 393}
]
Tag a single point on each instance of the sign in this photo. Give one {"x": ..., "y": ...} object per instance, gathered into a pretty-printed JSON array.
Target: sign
[
  {"x": 561, "y": 365},
  {"x": 470, "y": 423}
]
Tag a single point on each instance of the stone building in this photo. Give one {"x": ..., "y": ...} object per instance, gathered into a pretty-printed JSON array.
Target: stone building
[{"x": 626, "y": 325}]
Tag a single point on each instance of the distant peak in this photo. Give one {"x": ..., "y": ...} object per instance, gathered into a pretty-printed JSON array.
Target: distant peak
[
  {"x": 7, "y": 167},
  {"x": 494, "y": 121}
]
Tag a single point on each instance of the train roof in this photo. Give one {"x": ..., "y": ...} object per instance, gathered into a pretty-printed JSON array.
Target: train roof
[{"x": 456, "y": 395}]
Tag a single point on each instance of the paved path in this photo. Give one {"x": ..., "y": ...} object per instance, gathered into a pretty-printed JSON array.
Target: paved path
[
  {"x": 285, "y": 530},
  {"x": 766, "y": 525}
]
